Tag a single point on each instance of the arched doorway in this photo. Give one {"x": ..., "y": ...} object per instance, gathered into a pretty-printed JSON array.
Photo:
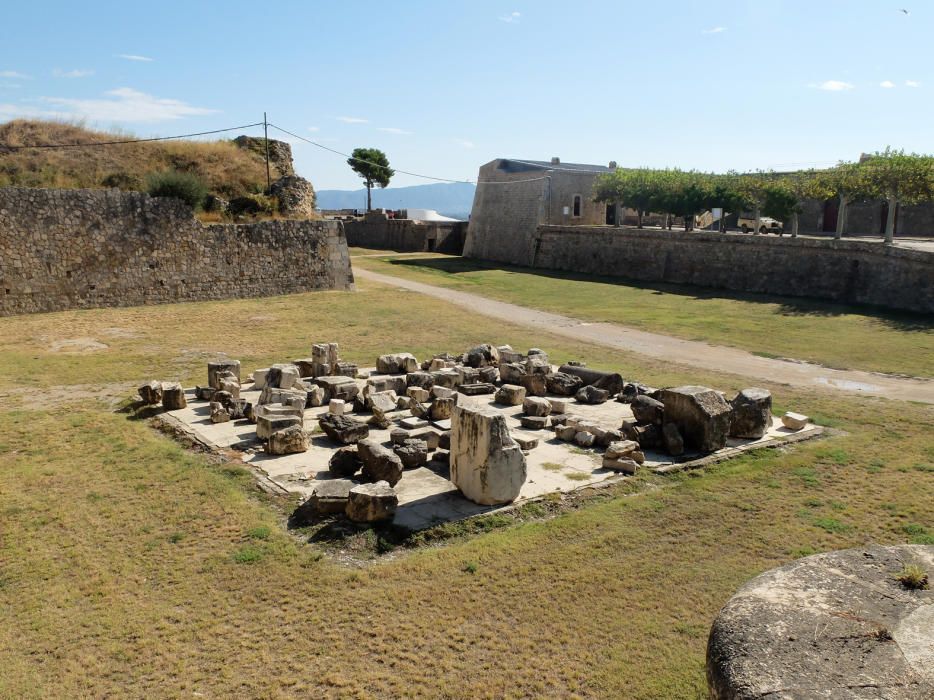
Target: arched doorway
[{"x": 831, "y": 210}]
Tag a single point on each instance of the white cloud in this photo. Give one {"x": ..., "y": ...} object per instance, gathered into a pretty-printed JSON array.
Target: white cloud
[
  {"x": 835, "y": 85},
  {"x": 715, "y": 30},
  {"x": 14, "y": 74},
  {"x": 77, "y": 73},
  {"x": 912, "y": 83},
  {"x": 9, "y": 86},
  {"x": 135, "y": 57},
  {"x": 465, "y": 143},
  {"x": 887, "y": 84},
  {"x": 511, "y": 18},
  {"x": 313, "y": 128},
  {"x": 393, "y": 130},
  {"x": 120, "y": 105},
  {"x": 353, "y": 120}
]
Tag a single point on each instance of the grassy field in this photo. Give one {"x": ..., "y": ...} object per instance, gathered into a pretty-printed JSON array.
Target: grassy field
[
  {"x": 833, "y": 335},
  {"x": 131, "y": 567}
]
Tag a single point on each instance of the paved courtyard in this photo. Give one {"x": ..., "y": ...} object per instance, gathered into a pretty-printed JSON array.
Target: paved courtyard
[{"x": 426, "y": 496}]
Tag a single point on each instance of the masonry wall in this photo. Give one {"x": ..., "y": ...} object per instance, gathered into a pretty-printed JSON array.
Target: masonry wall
[
  {"x": 407, "y": 235},
  {"x": 507, "y": 209},
  {"x": 66, "y": 249},
  {"x": 843, "y": 271}
]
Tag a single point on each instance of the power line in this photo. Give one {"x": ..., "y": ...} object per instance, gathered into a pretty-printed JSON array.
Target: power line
[
  {"x": 509, "y": 182},
  {"x": 360, "y": 160},
  {"x": 126, "y": 141}
]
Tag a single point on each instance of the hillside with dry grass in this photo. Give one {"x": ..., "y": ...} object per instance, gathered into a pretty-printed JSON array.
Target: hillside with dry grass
[{"x": 228, "y": 170}]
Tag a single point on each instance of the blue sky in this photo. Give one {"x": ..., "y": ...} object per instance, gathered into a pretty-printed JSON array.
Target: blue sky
[{"x": 444, "y": 87}]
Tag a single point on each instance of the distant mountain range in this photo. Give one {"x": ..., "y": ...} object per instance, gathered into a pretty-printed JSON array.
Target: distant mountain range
[{"x": 453, "y": 199}]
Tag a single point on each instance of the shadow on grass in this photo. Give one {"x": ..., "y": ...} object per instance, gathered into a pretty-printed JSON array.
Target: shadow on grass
[{"x": 787, "y": 306}]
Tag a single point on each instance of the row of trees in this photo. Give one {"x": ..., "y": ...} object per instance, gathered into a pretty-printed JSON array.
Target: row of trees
[{"x": 892, "y": 176}]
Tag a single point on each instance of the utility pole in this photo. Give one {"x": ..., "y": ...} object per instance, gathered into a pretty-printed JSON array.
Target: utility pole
[{"x": 266, "y": 140}]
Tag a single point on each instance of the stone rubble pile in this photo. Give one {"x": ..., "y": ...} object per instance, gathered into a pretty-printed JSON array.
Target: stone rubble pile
[{"x": 422, "y": 405}]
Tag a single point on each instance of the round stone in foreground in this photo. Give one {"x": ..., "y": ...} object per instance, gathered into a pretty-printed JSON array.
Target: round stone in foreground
[{"x": 834, "y": 625}]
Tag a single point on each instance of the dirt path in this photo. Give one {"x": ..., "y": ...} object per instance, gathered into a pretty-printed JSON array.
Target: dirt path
[{"x": 686, "y": 352}]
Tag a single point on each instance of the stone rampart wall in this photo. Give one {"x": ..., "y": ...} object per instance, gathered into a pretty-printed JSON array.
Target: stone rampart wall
[
  {"x": 66, "y": 249},
  {"x": 843, "y": 271},
  {"x": 407, "y": 235}
]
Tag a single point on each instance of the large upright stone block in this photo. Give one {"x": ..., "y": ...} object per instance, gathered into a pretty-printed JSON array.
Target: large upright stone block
[
  {"x": 216, "y": 368},
  {"x": 702, "y": 416},
  {"x": 752, "y": 413},
  {"x": 487, "y": 465}
]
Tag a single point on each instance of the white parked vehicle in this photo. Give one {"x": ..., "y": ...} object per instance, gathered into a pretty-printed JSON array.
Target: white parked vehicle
[{"x": 747, "y": 222}]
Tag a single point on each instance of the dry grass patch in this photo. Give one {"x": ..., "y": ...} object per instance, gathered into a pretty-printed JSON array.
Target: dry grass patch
[{"x": 131, "y": 567}]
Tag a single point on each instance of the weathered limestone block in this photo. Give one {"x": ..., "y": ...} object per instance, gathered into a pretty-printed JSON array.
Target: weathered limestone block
[
  {"x": 231, "y": 386},
  {"x": 379, "y": 463},
  {"x": 795, "y": 421},
  {"x": 151, "y": 392},
  {"x": 592, "y": 395},
  {"x": 565, "y": 432},
  {"x": 421, "y": 380},
  {"x": 287, "y": 441},
  {"x": 556, "y": 419},
  {"x": 274, "y": 395},
  {"x": 345, "y": 462},
  {"x": 315, "y": 397},
  {"x": 267, "y": 424},
  {"x": 329, "y": 497},
  {"x": 418, "y": 394},
  {"x": 382, "y": 403},
  {"x": 702, "y": 415},
  {"x": 442, "y": 409},
  {"x": 398, "y": 363},
  {"x": 584, "y": 439},
  {"x": 219, "y": 414},
  {"x": 621, "y": 464},
  {"x": 648, "y": 436},
  {"x": 343, "y": 388},
  {"x": 482, "y": 356},
  {"x": 215, "y": 368},
  {"x": 202, "y": 393},
  {"x": 447, "y": 378},
  {"x": 608, "y": 437},
  {"x": 487, "y": 465},
  {"x": 343, "y": 430},
  {"x": 440, "y": 392},
  {"x": 413, "y": 453},
  {"x": 609, "y": 381},
  {"x": 488, "y": 375},
  {"x": 533, "y": 422},
  {"x": 346, "y": 369},
  {"x": 621, "y": 448},
  {"x": 672, "y": 440},
  {"x": 466, "y": 375},
  {"x": 509, "y": 372},
  {"x": 510, "y": 395},
  {"x": 752, "y": 413},
  {"x": 534, "y": 384},
  {"x": 259, "y": 377},
  {"x": 536, "y": 406},
  {"x": 563, "y": 384},
  {"x": 173, "y": 397},
  {"x": 476, "y": 389},
  {"x": 368, "y": 503},
  {"x": 648, "y": 410}
]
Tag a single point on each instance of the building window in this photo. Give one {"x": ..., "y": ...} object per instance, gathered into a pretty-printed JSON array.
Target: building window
[{"x": 577, "y": 206}]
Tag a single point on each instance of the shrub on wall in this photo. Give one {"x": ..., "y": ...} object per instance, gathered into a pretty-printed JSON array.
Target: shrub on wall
[
  {"x": 253, "y": 205},
  {"x": 184, "y": 186}
]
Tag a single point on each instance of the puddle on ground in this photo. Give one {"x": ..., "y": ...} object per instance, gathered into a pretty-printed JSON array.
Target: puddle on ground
[{"x": 846, "y": 384}]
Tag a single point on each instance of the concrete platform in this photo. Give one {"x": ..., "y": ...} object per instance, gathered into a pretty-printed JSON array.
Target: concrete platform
[{"x": 426, "y": 496}]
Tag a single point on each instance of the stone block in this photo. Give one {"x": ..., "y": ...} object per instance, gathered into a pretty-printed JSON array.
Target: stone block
[
  {"x": 328, "y": 497},
  {"x": 563, "y": 384},
  {"x": 368, "y": 503},
  {"x": 259, "y": 377},
  {"x": 488, "y": 375},
  {"x": 648, "y": 410},
  {"x": 533, "y": 422},
  {"x": 482, "y": 356},
  {"x": 421, "y": 380},
  {"x": 566, "y": 432},
  {"x": 413, "y": 453},
  {"x": 487, "y": 465},
  {"x": 621, "y": 448},
  {"x": 510, "y": 395},
  {"x": 398, "y": 363},
  {"x": 621, "y": 464},
  {"x": 382, "y": 403},
  {"x": 556, "y": 419},
  {"x": 752, "y": 413},
  {"x": 343, "y": 430},
  {"x": 173, "y": 397},
  {"x": 584, "y": 439},
  {"x": 215, "y": 368},
  {"x": 672, "y": 441},
  {"x": 379, "y": 463},
  {"x": 151, "y": 393},
  {"x": 525, "y": 442},
  {"x": 795, "y": 421},
  {"x": 447, "y": 378},
  {"x": 287, "y": 441},
  {"x": 510, "y": 372},
  {"x": 219, "y": 414},
  {"x": 703, "y": 416},
  {"x": 345, "y": 462},
  {"x": 442, "y": 409},
  {"x": 315, "y": 396},
  {"x": 266, "y": 425},
  {"x": 337, "y": 407},
  {"x": 441, "y": 392},
  {"x": 476, "y": 389},
  {"x": 534, "y": 384},
  {"x": 592, "y": 395},
  {"x": 536, "y": 406},
  {"x": 611, "y": 382},
  {"x": 419, "y": 394}
]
